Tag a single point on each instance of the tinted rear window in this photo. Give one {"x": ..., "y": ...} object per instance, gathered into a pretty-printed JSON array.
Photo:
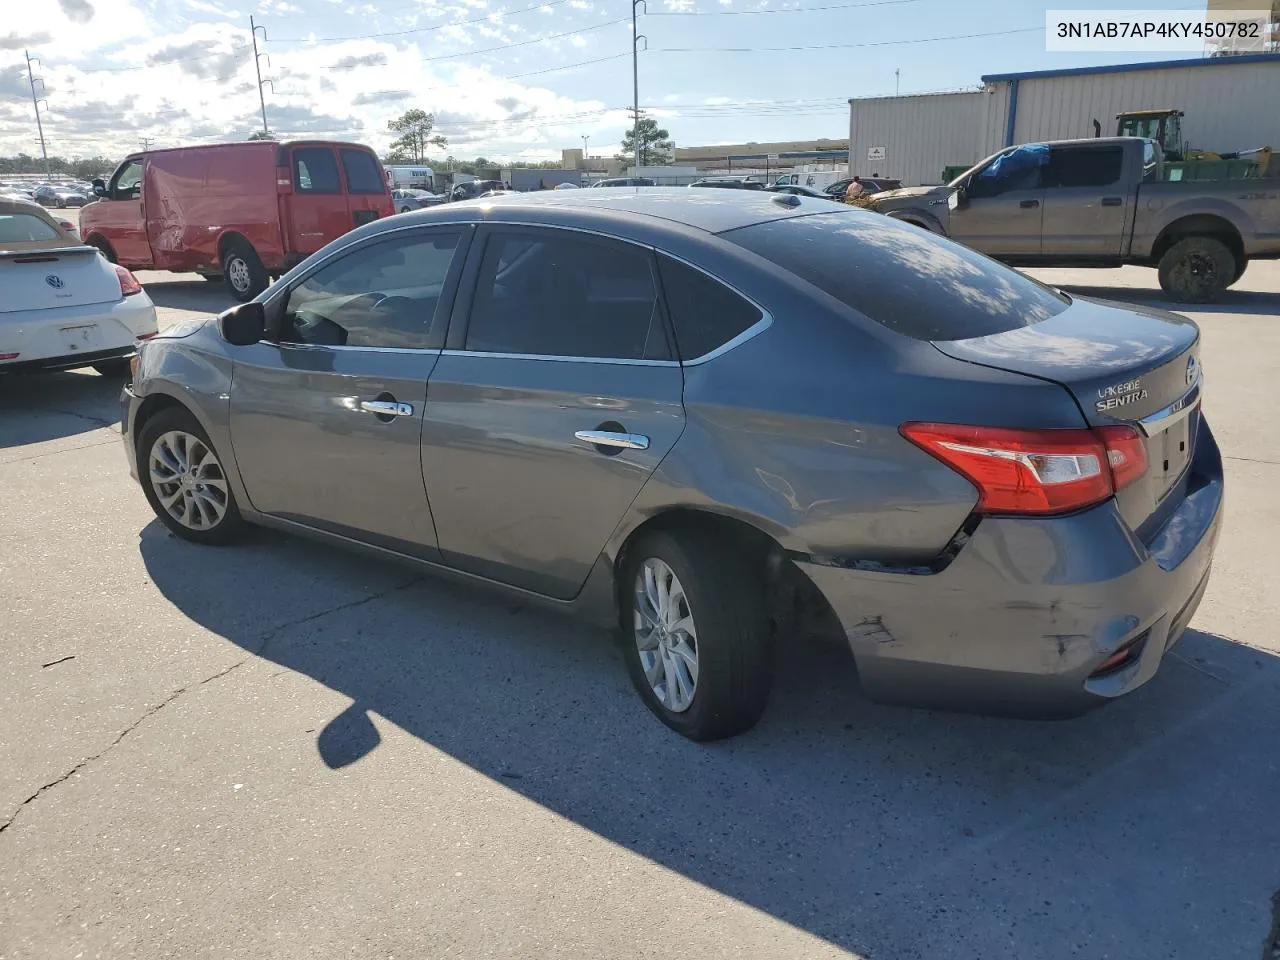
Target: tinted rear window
[
  {"x": 904, "y": 278},
  {"x": 24, "y": 228},
  {"x": 315, "y": 170},
  {"x": 362, "y": 172},
  {"x": 705, "y": 313}
]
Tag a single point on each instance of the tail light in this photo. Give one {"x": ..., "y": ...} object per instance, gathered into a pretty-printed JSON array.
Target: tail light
[
  {"x": 129, "y": 284},
  {"x": 1036, "y": 472}
]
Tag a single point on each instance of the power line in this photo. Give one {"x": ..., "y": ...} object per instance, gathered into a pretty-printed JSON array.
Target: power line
[
  {"x": 847, "y": 46},
  {"x": 524, "y": 43}
]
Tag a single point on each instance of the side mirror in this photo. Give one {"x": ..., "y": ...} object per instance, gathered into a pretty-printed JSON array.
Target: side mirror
[
  {"x": 99, "y": 188},
  {"x": 959, "y": 198},
  {"x": 244, "y": 324}
]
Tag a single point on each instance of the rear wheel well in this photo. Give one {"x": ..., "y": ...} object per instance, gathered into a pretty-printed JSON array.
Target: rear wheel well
[
  {"x": 794, "y": 602},
  {"x": 1199, "y": 225}
]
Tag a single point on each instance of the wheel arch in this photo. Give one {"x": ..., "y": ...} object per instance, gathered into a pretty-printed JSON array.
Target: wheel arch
[
  {"x": 792, "y": 596},
  {"x": 227, "y": 239},
  {"x": 1199, "y": 225}
]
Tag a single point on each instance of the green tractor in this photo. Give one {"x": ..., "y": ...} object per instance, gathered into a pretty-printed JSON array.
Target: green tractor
[{"x": 1186, "y": 162}]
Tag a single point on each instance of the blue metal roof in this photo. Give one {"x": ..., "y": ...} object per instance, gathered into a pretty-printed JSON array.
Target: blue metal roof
[{"x": 1131, "y": 67}]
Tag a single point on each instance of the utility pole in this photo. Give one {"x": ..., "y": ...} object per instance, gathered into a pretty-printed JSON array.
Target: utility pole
[
  {"x": 584, "y": 147},
  {"x": 146, "y": 142},
  {"x": 257, "y": 66},
  {"x": 896, "y": 72},
  {"x": 635, "y": 78},
  {"x": 36, "y": 103}
]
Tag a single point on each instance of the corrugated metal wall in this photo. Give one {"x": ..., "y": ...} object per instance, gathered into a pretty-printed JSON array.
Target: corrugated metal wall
[
  {"x": 1227, "y": 107},
  {"x": 920, "y": 134}
]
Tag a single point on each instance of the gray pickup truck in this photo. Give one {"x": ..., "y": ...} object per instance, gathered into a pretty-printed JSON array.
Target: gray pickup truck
[{"x": 1102, "y": 203}]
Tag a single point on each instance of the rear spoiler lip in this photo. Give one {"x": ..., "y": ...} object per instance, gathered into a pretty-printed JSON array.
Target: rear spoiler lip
[{"x": 47, "y": 251}]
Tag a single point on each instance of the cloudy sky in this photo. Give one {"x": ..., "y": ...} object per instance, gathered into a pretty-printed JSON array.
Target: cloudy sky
[{"x": 511, "y": 79}]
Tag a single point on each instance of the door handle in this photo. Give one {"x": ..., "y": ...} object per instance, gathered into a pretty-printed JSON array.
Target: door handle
[
  {"x": 1028, "y": 204},
  {"x": 619, "y": 441},
  {"x": 1112, "y": 201},
  {"x": 387, "y": 408}
]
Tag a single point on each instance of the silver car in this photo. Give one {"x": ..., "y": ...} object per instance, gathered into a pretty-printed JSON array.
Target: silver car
[{"x": 709, "y": 423}]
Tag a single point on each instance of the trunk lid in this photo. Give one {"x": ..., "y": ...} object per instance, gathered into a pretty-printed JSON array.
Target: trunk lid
[
  {"x": 1123, "y": 364},
  {"x": 48, "y": 277}
]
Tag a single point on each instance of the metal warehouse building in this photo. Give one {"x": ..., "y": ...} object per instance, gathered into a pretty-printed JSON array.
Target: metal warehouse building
[{"x": 1231, "y": 103}]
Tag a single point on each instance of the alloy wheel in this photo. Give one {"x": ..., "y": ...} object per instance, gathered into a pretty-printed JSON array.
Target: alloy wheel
[
  {"x": 666, "y": 635},
  {"x": 188, "y": 480}
]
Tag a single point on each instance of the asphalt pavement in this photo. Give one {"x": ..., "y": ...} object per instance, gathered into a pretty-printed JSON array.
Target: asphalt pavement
[{"x": 283, "y": 750}]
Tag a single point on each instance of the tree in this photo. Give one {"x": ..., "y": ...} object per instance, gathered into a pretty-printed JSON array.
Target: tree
[
  {"x": 657, "y": 149},
  {"x": 262, "y": 135},
  {"x": 415, "y": 136}
]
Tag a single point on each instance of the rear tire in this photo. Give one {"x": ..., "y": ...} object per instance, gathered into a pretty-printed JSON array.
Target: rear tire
[
  {"x": 117, "y": 369},
  {"x": 178, "y": 468},
  {"x": 246, "y": 276},
  {"x": 721, "y": 603},
  {"x": 1197, "y": 270}
]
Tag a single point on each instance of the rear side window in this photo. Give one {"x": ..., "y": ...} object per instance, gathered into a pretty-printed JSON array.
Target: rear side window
[
  {"x": 551, "y": 293},
  {"x": 1084, "y": 166},
  {"x": 902, "y": 277},
  {"x": 24, "y": 228},
  {"x": 704, "y": 312},
  {"x": 362, "y": 172},
  {"x": 315, "y": 170}
]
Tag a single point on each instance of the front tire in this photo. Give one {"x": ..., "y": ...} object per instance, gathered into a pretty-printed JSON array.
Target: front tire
[
  {"x": 245, "y": 275},
  {"x": 1197, "y": 270},
  {"x": 695, "y": 634},
  {"x": 184, "y": 480}
]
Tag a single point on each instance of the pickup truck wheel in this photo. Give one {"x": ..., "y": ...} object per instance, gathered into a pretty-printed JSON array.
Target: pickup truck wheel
[
  {"x": 1244, "y": 264},
  {"x": 1197, "y": 270},
  {"x": 245, "y": 274}
]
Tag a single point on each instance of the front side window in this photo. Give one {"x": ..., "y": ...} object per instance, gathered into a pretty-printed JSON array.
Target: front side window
[
  {"x": 1084, "y": 166},
  {"x": 382, "y": 295},
  {"x": 547, "y": 293},
  {"x": 1150, "y": 162},
  {"x": 904, "y": 278},
  {"x": 315, "y": 170},
  {"x": 362, "y": 172},
  {"x": 1018, "y": 169},
  {"x": 127, "y": 183}
]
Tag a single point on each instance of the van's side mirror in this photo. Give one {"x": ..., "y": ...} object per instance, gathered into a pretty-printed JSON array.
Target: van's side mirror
[
  {"x": 99, "y": 188},
  {"x": 244, "y": 324}
]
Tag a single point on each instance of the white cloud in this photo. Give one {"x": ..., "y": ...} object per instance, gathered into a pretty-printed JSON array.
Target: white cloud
[{"x": 578, "y": 41}]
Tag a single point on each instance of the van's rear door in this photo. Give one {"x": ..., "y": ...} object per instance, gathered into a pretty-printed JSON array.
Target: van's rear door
[
  {"x": 368, "y": 196},
  {"x": 317, "y": 204}
]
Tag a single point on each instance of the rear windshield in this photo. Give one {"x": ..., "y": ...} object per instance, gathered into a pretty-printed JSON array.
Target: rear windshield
[
  {"x": 362, "y": 172},
  {"x": 24, "y": 228},
  {"x": 901, "y": 276}
]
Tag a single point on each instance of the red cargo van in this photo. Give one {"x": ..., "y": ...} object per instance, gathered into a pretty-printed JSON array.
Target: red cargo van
[{"x": 244, "y": 211}]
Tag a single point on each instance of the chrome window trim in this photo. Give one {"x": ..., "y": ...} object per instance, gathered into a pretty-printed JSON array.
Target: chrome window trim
[
  {"x": 757, "y": 328},
  {"x": 619, "y": 361},
  {"x": 283, "y": 344}
]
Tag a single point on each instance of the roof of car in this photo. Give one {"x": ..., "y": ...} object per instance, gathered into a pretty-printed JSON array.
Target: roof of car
[{"x": 713, "y": 211}]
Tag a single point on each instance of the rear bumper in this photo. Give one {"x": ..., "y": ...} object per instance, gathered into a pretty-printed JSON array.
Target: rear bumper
[
  {"x": 1019, "y": 622},
  {"x": 39, "y": 337}
]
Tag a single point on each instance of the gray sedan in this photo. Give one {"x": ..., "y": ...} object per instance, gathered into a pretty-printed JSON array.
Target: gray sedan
[{"x": 710, "y": 424}]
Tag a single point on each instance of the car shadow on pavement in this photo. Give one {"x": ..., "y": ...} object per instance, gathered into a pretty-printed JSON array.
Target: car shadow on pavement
[
  {"x": 1233, "y": 301},
  {"x": 37, "y": 407},
  {"x": 1144, "y": 829},
  {"x": 200, "y": 296}
]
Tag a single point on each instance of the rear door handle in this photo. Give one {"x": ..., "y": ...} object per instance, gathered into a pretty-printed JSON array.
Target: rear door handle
[
  {"x": 387, "y": 408},
  {"x": 1112, "y": 201},
  {"x": 1028, "y": 204},
  {"x": 620, "y": 441}
]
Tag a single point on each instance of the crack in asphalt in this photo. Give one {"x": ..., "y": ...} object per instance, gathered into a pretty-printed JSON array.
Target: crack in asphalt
[
  {"x": 80, "y": 416},
  {"x": 266, "y": 640},
  {"x": 54, "y": 453}
]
